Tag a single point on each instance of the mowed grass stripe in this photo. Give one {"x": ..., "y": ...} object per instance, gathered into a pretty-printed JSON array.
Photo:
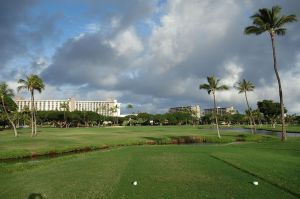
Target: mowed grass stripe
[
  {"x": 279, "y": 163},
  {"x": 90, "y": 175},
  {"x": 161, "y": 172},
  {"x": 187, "y": 172},
  {"x": 258, "y": 177}
]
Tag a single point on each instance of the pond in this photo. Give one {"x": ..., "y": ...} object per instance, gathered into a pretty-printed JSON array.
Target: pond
[{"x": 262, "y": 132}]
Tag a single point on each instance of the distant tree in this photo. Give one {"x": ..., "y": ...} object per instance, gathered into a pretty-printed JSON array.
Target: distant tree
[
  {"x": 270, "y": 21},
  {"x": 159, "y": 119},
  {"x": 129, "y": 106},
  {"x": 65, "y": 107},
  {"x": 244, "y": 87},
  {"x": 298, "y": 119},
  {"x": 258, "y": 116},
  {"x": 226, "y": 118},
  {"x": 238, "y": 119},
  {"x": 114, "y": 110},
  {"x": 32, "y": 83},
  {"x": 6, "y": 94},
  {"x": 291, "y": 119},
  {"x": 212, "y": 87},
  {"x": 270, "y": 109},
  {"x": 207, "y": 119},
  {"x": 25, "y": 115}
]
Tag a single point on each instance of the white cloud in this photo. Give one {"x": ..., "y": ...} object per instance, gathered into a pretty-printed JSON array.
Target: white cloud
[{"x": 127, "y": 43}]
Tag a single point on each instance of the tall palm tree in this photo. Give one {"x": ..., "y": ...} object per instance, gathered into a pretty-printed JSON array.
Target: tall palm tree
[
  {"x": 6, "y": 92},
  {"x": 65, "y": 107},
  {"x": 32, "y": 83},
  {"x": 113, "y": 110},
  {"x": 129, "y": 106},
  {"x": 212, "y": 87},
  {"x": 243, "y": 87},
  {"x": 270, "y": 21}
]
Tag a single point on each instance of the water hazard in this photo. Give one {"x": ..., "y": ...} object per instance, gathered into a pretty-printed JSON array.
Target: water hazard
[{"x": 262, "y": 132}]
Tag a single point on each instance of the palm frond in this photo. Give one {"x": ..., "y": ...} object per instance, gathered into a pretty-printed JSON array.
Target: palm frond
[
  {"x": 204, "y": 86},
  {"x": 265, "y": 15},
  {"x": 22, "y": 81},
  {"x": 276, "y": 10},
  {"x": 222, "y": 88},
  {"x": 10, "y": 93},
  {"x": 280, "y": 31},
  {"x": 253, "y": 30},
  {"x": 19, "y": 88},
  {"x": 244, "y": 86},
  {"x": 5, "y": 91},
  {"x": 286, "y": 19}
]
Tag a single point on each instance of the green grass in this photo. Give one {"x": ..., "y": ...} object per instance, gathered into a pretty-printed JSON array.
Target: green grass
[
  {"x": 163, "y": 171},
  {"x": 167, "y": 171},
  {"x": 58, "y": 140}
]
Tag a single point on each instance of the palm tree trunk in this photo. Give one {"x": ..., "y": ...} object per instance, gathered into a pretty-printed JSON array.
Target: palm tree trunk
[
  {"x": 65, "y": 122},
  {"x": 32, "y": 115},
  {"x": 252, "y": 122},
  {"x": 216, "y": 115},
  {"x": 10, "y": 120},
  {"x": 34, "y": 112},
  {"x": 283, "y": 130}
]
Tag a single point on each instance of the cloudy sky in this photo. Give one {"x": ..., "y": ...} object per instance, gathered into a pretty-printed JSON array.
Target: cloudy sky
[{"x": 152, "y": 54}]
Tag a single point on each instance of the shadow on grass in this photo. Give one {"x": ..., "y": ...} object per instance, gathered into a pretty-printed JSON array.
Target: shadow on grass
[{"x": 35, "y": 196}]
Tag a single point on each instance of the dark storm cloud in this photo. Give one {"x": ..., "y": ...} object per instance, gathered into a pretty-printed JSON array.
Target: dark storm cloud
[
  {"x": 12, "y": 15},
  {"x": 181, "y": 51},
  {"x": 22, "y": 33},
  {"x": 127, "y": 12},
  {"x": 86, "y": 60}
]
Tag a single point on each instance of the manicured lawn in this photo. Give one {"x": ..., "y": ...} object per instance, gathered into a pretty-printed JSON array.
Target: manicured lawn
[
  {"x": 58, "y": 140},
  {"x": 167, "y": 171},
  {"x": 162, "y": 171}
]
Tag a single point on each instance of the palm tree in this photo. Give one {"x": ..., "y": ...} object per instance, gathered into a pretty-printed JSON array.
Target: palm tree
[
  {"x": 212, "y": 87},
  {"x": 243, "y": 87},
  {"x": 65, "y": 107},
  {"x": 129, "y": 106},
  {"x": 6, "y": 92},
  {"x": 32, "y": 83},
  {"x": 270, "y": 21},
  {"x": 113, "y": 110}
]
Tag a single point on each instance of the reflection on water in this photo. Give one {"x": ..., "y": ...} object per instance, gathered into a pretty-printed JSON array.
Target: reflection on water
[{"x": 263, "y": 132}]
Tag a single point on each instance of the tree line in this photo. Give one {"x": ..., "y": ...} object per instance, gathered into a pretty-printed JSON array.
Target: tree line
[{"x": 267, "y": 112}]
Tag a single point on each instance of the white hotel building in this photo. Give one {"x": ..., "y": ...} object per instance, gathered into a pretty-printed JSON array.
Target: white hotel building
[{"x": 107, "y": 108}]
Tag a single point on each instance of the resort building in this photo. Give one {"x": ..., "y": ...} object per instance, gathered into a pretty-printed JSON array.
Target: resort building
[
  {"x": 195, "y": 110},
  {"x": 107, "y": 108},
  {"x": 221, "y": 111}
]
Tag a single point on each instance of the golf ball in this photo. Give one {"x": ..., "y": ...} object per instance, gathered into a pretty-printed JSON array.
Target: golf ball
[
  {"x": 134, "y": 183},
  {"x": 255, "y": 183}
]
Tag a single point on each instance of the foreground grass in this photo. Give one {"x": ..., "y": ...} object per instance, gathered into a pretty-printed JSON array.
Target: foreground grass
[
  {"x": 55, "y": 140},
  {"x": 167, "y": 171}
]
